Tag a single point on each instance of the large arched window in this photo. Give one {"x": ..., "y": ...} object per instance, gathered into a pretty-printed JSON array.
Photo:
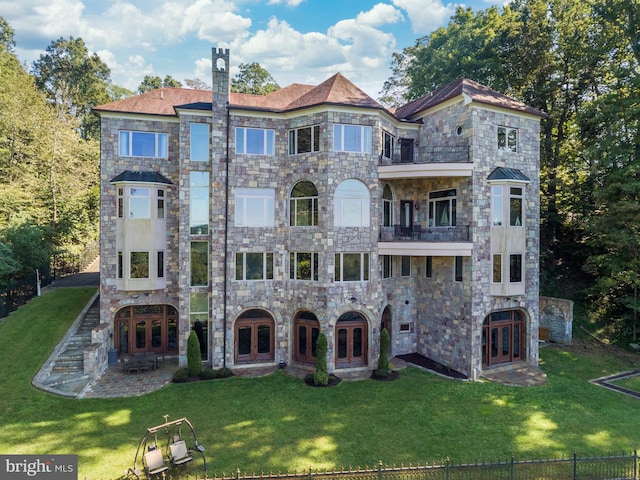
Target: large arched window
[
  {"x": 307, "y": 329},
  {"x": 303, "y": 205},
  {"x": 387, "y": 206},
  {"x": 254, "y": 337},
  {"x": 351, "y": 204}
]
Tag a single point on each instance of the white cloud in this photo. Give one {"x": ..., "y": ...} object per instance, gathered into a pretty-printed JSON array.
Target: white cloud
[
  {"x": 425, "y": 15},
  {"x": 380, "y": 14},
  {"x": 288, "y": 3}
]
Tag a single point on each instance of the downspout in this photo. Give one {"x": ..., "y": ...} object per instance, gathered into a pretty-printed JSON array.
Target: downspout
[{"x": 226, "y": 243}]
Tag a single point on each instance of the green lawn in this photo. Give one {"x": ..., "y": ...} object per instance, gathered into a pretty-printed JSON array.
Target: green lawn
[{"x": 278, "y": 423}]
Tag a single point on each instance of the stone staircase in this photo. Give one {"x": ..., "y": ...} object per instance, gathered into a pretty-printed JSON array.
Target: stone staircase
[{"x": 67, "y": 375}]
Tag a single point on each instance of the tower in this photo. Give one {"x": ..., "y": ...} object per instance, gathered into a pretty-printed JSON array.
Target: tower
[{"x": 220, "y": 76}]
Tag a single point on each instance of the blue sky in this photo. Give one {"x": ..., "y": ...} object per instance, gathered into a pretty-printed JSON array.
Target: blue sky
[{"x": 297, "y": 41}]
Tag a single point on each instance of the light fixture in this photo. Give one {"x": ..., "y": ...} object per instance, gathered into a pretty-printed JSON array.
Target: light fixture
[{"x": 353, "y": 299}]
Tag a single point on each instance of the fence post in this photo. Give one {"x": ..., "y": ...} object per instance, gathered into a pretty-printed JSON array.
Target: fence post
[
  {"x": 380, "y": 470},
  {"x": 237, "y": 474},
  {"x": 575, "y": 466},
  {"x": 310, "y": 472},
  {"x": 635, "y": 464},
  {"x": 513, "y": 468},
  {"x": 446, "y": 468}
]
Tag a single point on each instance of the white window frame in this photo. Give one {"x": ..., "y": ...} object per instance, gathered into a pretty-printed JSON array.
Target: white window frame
[
  {"x": 293, "y": 206},
  {"x": 405, "y": 258},
  {"x": 433, "y": 201},
  {"x": 363, "y": 264},
  {"x": 521, "y": 256},
  {"x": 267, "y": 266},
  {"x": 146, "y": 252},
  {"x": 514, "y": 195},
  {"x": 458, "y": 261},
  {"x": 388, "y": 145},
  {"x": 387, "y": 206},
  {"x": 387, "y": 266},
  {"x": 294, "y": 258},
  {"x": 314, "y": 135},
  {"x": 255, "y": 207},
  {"x": 360, "y": 134},
  {"x": 351, "y": 205},
  {"x": 139, "y": 203},
  {"x": 126, "y": 143},
  {"x": 199, "y": 142},
  {"x": 496, "y": 268},
  {"x": 497, "y": 205},
  {"x": 507, "y": 139},
  {"x": 243, "y": 146},
  {"x": 199, "y": 203}
]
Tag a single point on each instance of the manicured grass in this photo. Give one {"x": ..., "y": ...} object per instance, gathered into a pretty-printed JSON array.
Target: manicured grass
[
  {"x": 278, "y": 423},
  {"x": 632, "y": 383}
]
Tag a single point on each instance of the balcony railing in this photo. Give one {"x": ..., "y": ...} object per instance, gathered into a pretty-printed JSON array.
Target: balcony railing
[
  {"x": 426, "y": 154},
  {"x": 418, "y": 233}
]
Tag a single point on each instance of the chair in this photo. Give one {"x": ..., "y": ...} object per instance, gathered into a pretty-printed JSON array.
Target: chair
[
  {"x": 154, "y": 462},
  {"x": 179, "y": 452}
]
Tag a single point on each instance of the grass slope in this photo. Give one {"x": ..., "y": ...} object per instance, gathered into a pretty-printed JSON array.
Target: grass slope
[{"x": 278, "y": 423}]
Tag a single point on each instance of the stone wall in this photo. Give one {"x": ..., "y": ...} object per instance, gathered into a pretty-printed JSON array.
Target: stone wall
[{"x": 556, "y": 315}]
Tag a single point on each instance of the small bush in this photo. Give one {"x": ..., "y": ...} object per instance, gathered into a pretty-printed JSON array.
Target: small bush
[
  {"x": 224, "y": 373},
  {"x": 194, "y": 360},
  {"x": 383, "y": 369},
  {"x": 320, "y": 376},
  {"x": 208, "y": 374},
  {"x": 181, "y": 375}
]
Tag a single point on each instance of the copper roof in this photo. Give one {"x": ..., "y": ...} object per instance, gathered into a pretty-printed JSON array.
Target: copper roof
[{"x": 463, "y": 86}]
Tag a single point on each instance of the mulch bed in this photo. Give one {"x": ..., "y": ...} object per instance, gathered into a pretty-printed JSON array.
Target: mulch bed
[
  {"x": 333, "y": 381},
  {"x": 432, "y": 365}
]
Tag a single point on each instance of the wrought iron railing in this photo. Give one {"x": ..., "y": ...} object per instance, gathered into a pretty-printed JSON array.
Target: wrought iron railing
[
  {"x": 426, "y": 154},
  {"x": 418, "y": 233}
]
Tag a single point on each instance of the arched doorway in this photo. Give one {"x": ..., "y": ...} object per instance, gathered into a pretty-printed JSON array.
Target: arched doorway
[
  {"x": 146, "y": 329},
  {"x": 307, "y": 329},
  {"x": 351, "y": 340},
  {"x": 254, "y": 337},
  {"x": 503, "y": 337}
]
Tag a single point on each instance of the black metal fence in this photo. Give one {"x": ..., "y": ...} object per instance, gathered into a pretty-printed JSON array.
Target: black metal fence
[
  {"x": 610, "y": 467},
  {"x": 24, "y": 290}
]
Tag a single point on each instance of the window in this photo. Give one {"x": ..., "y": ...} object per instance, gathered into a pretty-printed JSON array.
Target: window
[
  {"x": 139, "y": 265},
  {"x": 508, "y": 139},
  {"x": 304, "y": 140},
  {"x": 254, "y": 337},
  {"x": 406, "y": 266},
  {"x": 143, "y": 144},
  {"x": 199, "y": 319},
  {"x": 254, "y": 266},
  {"x": 442, "y": 208},
  {"x": 120, "y": 265},
  {"x": 160, "y": 264},
  {"x": 303, "y": 266},
  {"x": 351, "y": 204},
  {"x": 199, "y": 142},
  {"x": 303, "y": 205},
  {"x": 199, "y": 203},
  {"x": 351, "y": 138},
  {"x": 120, "y": 202},
  {"x": 387, "y": 266},
  {"x": 255, "y": 207},
  {"x": 160, "y": 204},
  {"x": 428, "y": 267},
  {"x": 388, "y": 144},
  {"x": 387, "y": 206},
  {"x": 458, "y": 270},
  {"x": 139, "y": 203},
  {"x": 255, "y": 141},
  {"x": 515, "y": 206},
  {"x": 199, "y": 264},
  {"x": 497, "y": 268},
  {"x": 352, "y": 267},
  {"x": 515, "y": 268},
  {"x": 497, "y": 205}
]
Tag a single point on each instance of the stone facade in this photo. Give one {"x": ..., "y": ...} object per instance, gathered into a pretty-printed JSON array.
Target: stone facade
[{"x": 436, "y": 316}]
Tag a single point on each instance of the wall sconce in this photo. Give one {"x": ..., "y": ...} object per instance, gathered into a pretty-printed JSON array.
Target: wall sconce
[
  {"x": 135, "y": 295},
  {"x": 417, "y": 206},
  {"x": 353, "y": 299}
]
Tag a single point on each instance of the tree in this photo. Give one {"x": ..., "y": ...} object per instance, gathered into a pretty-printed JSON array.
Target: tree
[
  {"x": 320, "y": 375},
  {"x": 9, "y": 266},
  {"x": 154, "y": 82},
  {"x": 254, "y": 79},
  {"x": 196, "y": 84},
  {"x": 30, "y": 244},
  {"x": 194, "y": 360},
  {"x": 74, "y": 81},
  {"x": 7, "y": 41},
  {"x": 383, "y": 369}
]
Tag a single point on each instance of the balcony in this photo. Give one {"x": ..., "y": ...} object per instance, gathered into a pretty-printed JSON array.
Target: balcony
[
  {"x": 410, "y": 161},
  {"x": 421, "y": 241}
]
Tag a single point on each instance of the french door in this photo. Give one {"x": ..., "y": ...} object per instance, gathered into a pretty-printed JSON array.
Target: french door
[
  {"x": 502, "y": 338},
  {"x": 146, "y": 329},
  {"x": 351, "y": 340}
]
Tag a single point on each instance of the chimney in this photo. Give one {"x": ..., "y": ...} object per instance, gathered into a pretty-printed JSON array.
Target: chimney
[{"x": 220, "y": 76}]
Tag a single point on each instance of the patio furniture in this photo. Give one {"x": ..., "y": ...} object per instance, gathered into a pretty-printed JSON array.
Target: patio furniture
[
  {"x": 154, "y": 462},
  {"x": 179, "y": 453}
]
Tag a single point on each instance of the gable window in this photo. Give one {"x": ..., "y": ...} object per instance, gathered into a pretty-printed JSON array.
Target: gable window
[
  {"x": 303, "y": 266},
  {"x": 406, "y": 266},
  {"x": 139, "y": 203},
  {"x": 304, "y": 140},
  {"x": 303, "y": 205},
  {"x": 352, "y": 267},
  {"x": 255, "y": 207},
  {"x": 387, "y": 206},
  {"x": 139, "y": 265},
  {"x": 351, "y": 204},
  {"x": 143, "y": 144},
  {"x": 442, "y": 208},
  {"x": 254, "y": 266},
  {"x": 515, "y": 268},
  {"x": 255, "y": 141},
  {"x": 458, "y": 269},
  {"x": 387, "y": 266},
  {"x": 388, "y": 144},
  {"x": 199, "y": 263},
  {"x": 199, "y": 142},
  {"x": 351, "y": 138},
  {"x": 508, "y": 139},
  {"x": 198, "y": 203}
]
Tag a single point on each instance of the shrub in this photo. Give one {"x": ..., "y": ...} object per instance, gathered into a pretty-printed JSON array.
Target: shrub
[
  {"x": 208, "y": 374},
  {"x": 194, "y": 361},
  {"x": 181, "y": 375},
  {"x": 224, "y": 373},
  {"x": 320, "y": 376},
  {"x": 383, "y": 369}
]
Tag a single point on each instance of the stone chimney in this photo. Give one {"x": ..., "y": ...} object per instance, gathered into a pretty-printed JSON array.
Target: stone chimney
[{"x": 220, "y": 76}]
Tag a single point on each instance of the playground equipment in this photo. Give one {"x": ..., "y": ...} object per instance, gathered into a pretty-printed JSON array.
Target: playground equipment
[{"x": 165, "y": 446}]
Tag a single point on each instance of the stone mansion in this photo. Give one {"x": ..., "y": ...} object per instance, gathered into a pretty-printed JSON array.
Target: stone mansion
[{"x": 260, "y": 221}]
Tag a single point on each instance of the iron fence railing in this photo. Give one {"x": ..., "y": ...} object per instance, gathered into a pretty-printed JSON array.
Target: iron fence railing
[
  {"x": 426, "y": 154},
  {"x": 619, "y": 467},
  {"x": 418, "y": 233}
]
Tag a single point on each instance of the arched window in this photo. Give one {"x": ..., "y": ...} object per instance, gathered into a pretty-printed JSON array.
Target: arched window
[
  {"x": 387, "y": 206},
  {"x": 307, "y": 329},
  {"x": 351, "y": 204},
  {"x": 254, "y": 337},
  {"x": 303, "y": 205}
]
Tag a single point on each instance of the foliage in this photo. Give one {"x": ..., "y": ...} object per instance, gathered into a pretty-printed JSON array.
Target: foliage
[
  {"x": 384, "y": 369},
  {"x": 194, "y": 361},
  {"x": 150, "y": 82},
  {"x": 7, "y": 40},
  {"x": 73, "y": 81},
  {"x": 321, "y": 376},
  {"x": 196, "y": 84},
  {"x": 254, "y": 79},
  {"x": 29, "y": 244},
  {"x": 181, "y": 375},
  {"x": 9, "y": 266}
]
